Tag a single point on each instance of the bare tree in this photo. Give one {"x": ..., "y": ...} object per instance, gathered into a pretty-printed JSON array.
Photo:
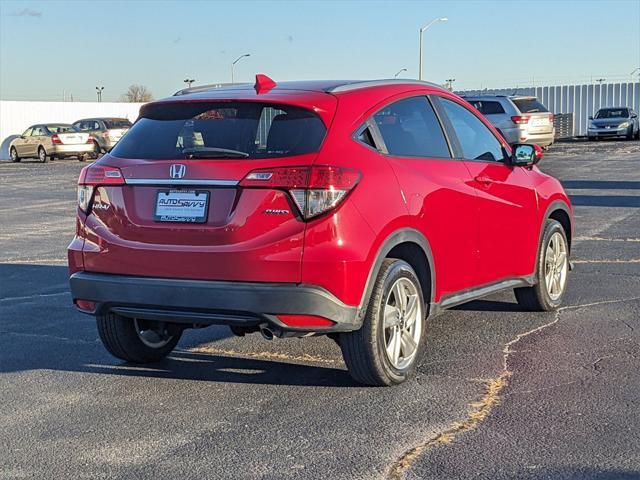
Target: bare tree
[{"x": 137, "y": 94}]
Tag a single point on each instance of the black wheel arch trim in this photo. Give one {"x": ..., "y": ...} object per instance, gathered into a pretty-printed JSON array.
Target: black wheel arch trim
[
  {"x": 398, "y": 237},
  {"x": 552, "y": 207}
]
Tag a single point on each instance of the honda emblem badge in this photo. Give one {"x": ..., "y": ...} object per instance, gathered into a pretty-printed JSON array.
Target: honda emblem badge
[{"x": 177, "y": 170}]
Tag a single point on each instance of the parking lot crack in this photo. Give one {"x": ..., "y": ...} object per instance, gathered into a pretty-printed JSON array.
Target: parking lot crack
[{"x": 479, "y": 410}]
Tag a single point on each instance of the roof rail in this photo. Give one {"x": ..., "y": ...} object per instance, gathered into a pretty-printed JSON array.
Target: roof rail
[
  {"x": 207, "y": 88},
  {"x": 347, "y": 87}
]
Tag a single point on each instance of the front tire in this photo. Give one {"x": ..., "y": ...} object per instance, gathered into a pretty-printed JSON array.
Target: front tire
[
  {"x": 13, "y": 153},
  {"x": 552, "y": 271},
  {"x": 137, "y": 341},
  {"x": 386, "y": 349}
]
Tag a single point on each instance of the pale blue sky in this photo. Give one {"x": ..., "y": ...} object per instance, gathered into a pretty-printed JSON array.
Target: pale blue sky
[{"x": 50, "y": 46}]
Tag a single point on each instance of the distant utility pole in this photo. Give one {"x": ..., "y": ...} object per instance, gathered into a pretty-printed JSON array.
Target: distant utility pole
[
  {"x": 449, "y": 83},
  {"x": 600, "y": 80},
  {"x": 189, "y": 82},
  {"x": 99, "y": 93},
  {"x": 399, "y": 72}
]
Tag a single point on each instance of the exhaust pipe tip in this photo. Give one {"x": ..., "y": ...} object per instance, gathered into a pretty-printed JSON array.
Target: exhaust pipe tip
[{"x": 267, "y": 333}]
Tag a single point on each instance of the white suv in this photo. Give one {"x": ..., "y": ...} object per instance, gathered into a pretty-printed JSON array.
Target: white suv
[{"x": 520, "y": 119}]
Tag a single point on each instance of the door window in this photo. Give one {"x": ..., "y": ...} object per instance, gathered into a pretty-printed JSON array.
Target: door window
[
  {"x": 476, "y": 140},
  {"x": 28, "y": 132},
  {"x": 38, "y": 131},
  {"x": 410, "y": 128}
]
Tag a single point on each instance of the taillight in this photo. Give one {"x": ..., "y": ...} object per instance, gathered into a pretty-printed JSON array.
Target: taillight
[
  {"x": 56, "y": 139},
  {"x": 89, "y": 139},
  {"x": 551, "y": 117},
  {"x": 315, "y": 189},
  {"x": 520, "y": 119},
  {"x": 92, "y": 176}
]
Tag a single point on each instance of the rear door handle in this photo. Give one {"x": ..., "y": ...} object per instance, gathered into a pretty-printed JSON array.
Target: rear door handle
[{"x": 484, "y": 180}]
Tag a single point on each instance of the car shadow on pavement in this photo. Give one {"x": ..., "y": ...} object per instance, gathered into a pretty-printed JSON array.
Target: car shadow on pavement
[
  {"x": 488, "y": 306},
  {"x": 569, "y": 473},
  {"x": 40, "y": 329}
]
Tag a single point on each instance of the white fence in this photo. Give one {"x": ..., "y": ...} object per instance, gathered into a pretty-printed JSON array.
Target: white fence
[
  {"x": 581, "y": 100},
  {"x": 17, "y": 116}
]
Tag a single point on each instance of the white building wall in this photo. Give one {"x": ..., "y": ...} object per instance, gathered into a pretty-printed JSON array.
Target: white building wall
[{"x": 17, "y": 116}]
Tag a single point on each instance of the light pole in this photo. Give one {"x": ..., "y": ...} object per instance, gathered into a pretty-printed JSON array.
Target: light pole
[
  {"x": 189, "y": 81},
  {"x": 422, "y": 30},
  {"x": 399, "y": 72},
  {"x": 99, "y": 93},
  {"x": 450, "y": 83},
  {"x": 233, "y": 65}
]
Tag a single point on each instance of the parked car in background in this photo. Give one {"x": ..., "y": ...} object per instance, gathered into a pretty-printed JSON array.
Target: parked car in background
[
  {"x": 369, "y": 206},
  {"x": 50, "y": 141},
  {"x": 105, "y": 131},
  {"x": 614, "y": 122},
  {"x": 520, "y": 119}
]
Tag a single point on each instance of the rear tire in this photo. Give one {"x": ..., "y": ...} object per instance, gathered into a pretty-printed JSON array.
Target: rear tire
[
  {"x": 137, "y": 341},
  {"x": 42, "y": 155},
  {"x": 386, "y": 349},
  {"x": 591, "y": 139},
  {"x": 82, "y": 158},
  {"x": 552, "y": 272},
  {"x": 96, "y": 149},
  {"x": 13, "y": 153}
]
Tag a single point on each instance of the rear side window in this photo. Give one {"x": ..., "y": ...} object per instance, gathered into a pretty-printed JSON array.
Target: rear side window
[
  {"x": 487, "y": 107},
  {"x": 117, "y": 123},
  {"x": 410, "y": 128},
  {"x": 476, "y": 140},
  {"x": 529, "y": 105},
  {"x": 221, "y": 130}
]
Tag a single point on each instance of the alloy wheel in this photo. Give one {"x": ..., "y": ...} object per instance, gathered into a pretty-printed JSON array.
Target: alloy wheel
[
  {"x": 555, "y": 266},
  {"x": 152, "y": 334},
  {"x": 403, "y": 323}
]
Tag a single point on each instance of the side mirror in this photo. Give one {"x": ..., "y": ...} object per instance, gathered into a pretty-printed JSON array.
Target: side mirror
[
  {"x": 634, "y": 115},
  {"x": 525, "y": 155},
  {"x": 590, "y": 117},
  {"x": 22, "y": 137}
]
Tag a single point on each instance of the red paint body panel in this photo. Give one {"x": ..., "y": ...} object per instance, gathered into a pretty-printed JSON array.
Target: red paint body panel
[{"x": 478, "y": 232}]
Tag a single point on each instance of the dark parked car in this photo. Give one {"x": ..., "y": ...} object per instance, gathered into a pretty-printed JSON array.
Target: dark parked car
[{"x": 614, "y": 122}]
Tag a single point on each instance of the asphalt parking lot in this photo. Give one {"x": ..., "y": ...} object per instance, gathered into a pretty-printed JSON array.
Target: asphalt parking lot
[{"x": 500, "y": 393}]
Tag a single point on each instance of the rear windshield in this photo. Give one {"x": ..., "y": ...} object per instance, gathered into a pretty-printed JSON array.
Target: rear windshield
[
  {"x": 117, "y": 123},
  {"x": 529, "y": 105},
  {"x": 487, "y": 107},
  {"x": 613, "y": 113},
  {"x": 222, "y": 130},
  {"x": 61, "y": 129}
]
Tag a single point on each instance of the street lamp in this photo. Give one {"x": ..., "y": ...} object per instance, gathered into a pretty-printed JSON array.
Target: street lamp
[
  {"x": 189, "y": 81},
  {"x": 422, "y": 30},
  {"x": 399, "y": 72},
  {"x": 99, "y": 93},
  {"x": 450, "y": 83},
  {"x": 233, "y": 65}
]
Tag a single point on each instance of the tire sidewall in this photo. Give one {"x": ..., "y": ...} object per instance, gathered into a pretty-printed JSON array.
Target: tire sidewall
[
  {"x": 14, "y": 155},
  {"x": 399, "y": 269},
  {"x": 41, "y": 157},
  {"x": 551, "y": 227}
]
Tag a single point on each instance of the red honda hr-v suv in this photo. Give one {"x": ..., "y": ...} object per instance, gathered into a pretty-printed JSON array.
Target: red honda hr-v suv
[{"x": 354, "y": 209}]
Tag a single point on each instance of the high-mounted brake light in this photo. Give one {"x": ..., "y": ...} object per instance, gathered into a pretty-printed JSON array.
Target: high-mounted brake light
[
  {"x": 520, "y": 119},
  {"x": 56, "y": 139},
  {"x": 92, "y": 176},
  {"x": 315, "y": 189}
]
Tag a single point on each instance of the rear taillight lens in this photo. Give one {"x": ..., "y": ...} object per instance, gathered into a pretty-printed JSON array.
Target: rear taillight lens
[
  {"x": 551, "y": 117},
  {"x": 520, "y": 119},
  {"x": 315, "y": 189},
  {"x": 89, "y": 139},
  {"x": 92, "y": 176},
  {"x": 56, "y": 139}
]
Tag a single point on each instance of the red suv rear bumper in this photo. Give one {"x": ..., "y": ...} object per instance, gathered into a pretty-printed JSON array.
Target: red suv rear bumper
[{"x": 209, "y": 302}]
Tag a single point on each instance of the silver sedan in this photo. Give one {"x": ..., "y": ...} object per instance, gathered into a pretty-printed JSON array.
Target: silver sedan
[{"x": 51, "y": 141}]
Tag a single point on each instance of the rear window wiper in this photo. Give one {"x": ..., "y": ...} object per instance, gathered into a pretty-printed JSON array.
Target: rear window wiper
[{"x": 213, "y": 152}]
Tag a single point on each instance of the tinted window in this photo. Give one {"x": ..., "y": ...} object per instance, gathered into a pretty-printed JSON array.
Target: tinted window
[
  {"x": 487, "y": 107},
  {"x": 38, "y": 131},
  {"x": 117, "y": 123},
  {"x": 197, "y": 130},
  {"x": 613, "y": 113},
  {"x": 529, "y": 105},
  {"x": 476, "y": 140},
  {"x": 410, "y": 128}
]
